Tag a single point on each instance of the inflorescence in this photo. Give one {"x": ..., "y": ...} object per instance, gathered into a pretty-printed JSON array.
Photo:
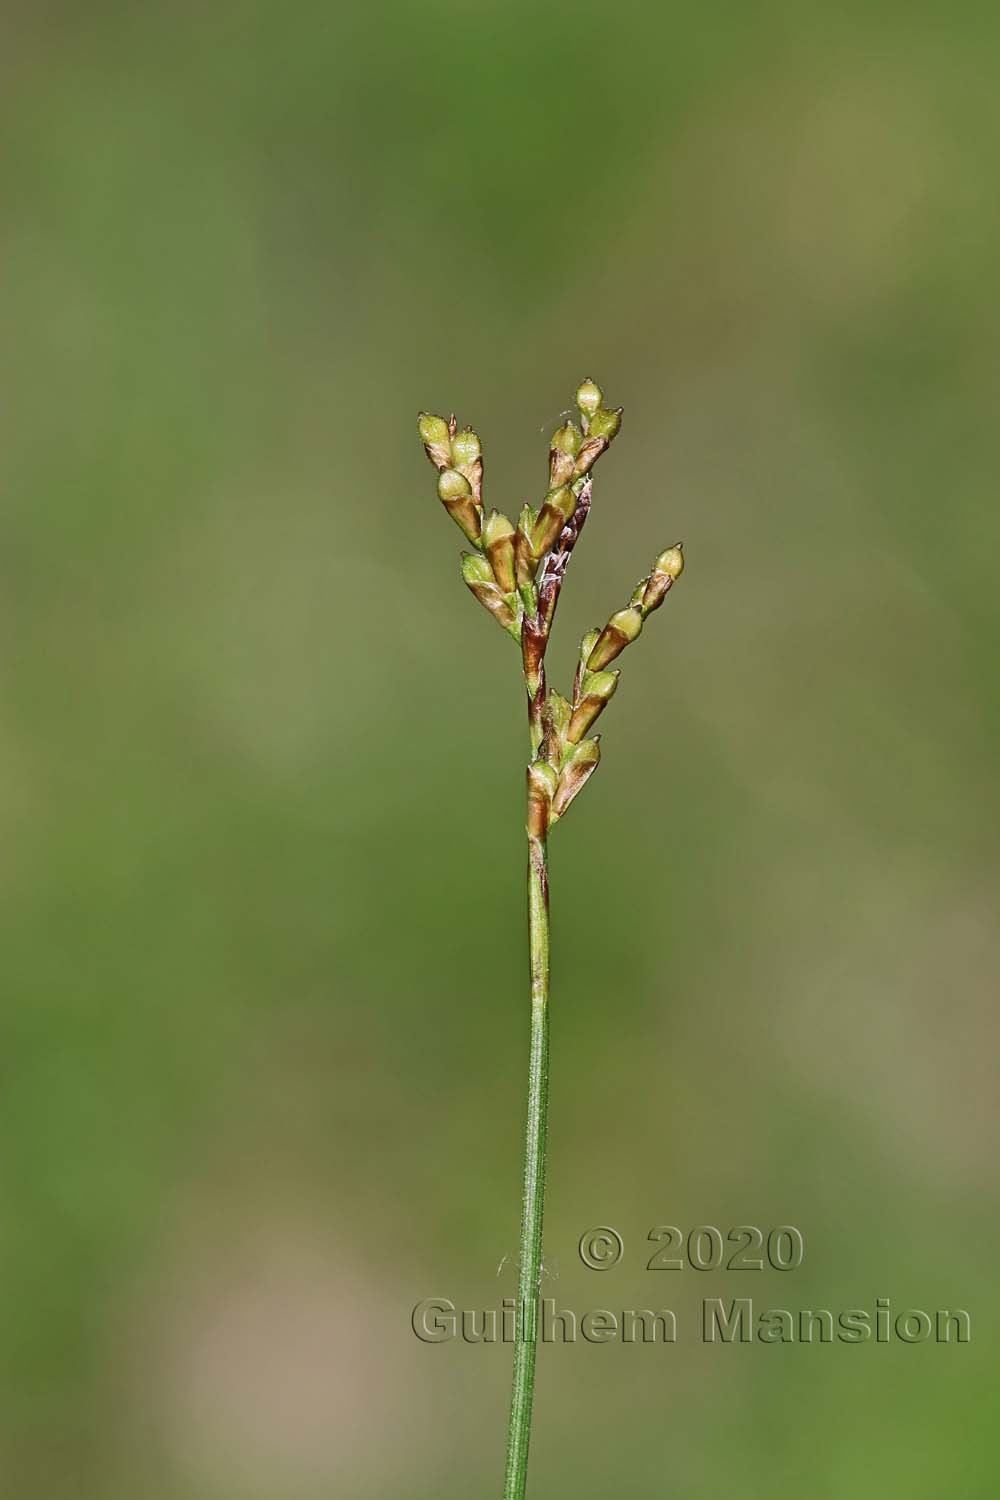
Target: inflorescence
[{"x": 516, "y": 573}]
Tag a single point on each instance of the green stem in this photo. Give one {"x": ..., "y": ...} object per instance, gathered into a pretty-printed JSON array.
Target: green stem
[{"x": 533, "y": 1201}]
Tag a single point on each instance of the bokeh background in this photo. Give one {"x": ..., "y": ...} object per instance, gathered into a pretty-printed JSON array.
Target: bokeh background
[{"x": 261, "y": 757}]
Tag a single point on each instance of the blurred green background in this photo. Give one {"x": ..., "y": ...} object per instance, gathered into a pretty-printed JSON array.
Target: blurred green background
[{"x": 261, "y": 757}]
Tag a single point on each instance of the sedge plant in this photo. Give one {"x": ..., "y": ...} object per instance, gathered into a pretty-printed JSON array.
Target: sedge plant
[{"x": 516, "y": 572}]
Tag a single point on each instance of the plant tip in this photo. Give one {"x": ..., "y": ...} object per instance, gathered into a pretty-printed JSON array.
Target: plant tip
[
  {"x": 432, "y": 429},
  {"x": 671, "y": 562},
  {"x": 589, "y": 397}
]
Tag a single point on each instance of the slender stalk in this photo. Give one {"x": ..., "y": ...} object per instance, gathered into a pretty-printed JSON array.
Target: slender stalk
[
  {"x": 535, "y": 627},
  {"x": 533, "y": 1201}
]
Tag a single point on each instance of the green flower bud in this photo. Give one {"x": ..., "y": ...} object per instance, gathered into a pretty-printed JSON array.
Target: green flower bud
[
  {"x": 567, "y": 439},
  {"x": 432, "y": 429},
  {"x": 598, "y": 688},
  {"x": 435, "y": 436},
  {"x": 558, "y": 712},
  {"x": 628, "y": 621},
  {"x": 498, "y": 542},
  {"x": 618, "y": 633},
  {"x": 575, "y": 774},
  {"x": 601, "y": 684},
  {"x": 542, "y": 783},
  {"x": 587, "y": 645},
  {"x": 589, "y": 398},
  {"x": 667, "y": 567},
  {"x": 453, "y": 486},
  {"x": 606, "y": 423},
  {"x": 558, "y": 506},
  {"x": 478, "y": 575},
  {"x": 601, "y": 428},
  {"x": 460, "y": 503},
  {"x": 525, "y": 561},
  {"x": 670, "y": 562},
  {"x": 465, "y": 448},
  {"x": 476, "y": 569},
  {"x": 562, "y": 453}
]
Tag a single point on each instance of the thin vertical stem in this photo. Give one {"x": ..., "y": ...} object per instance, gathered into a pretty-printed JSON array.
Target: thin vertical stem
[
  {"x": 533, "y": 1201},
  {"x": 517, "y": 574}
]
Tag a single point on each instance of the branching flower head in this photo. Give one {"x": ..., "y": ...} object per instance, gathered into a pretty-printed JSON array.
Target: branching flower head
[{"x": 516, "y": 572}]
